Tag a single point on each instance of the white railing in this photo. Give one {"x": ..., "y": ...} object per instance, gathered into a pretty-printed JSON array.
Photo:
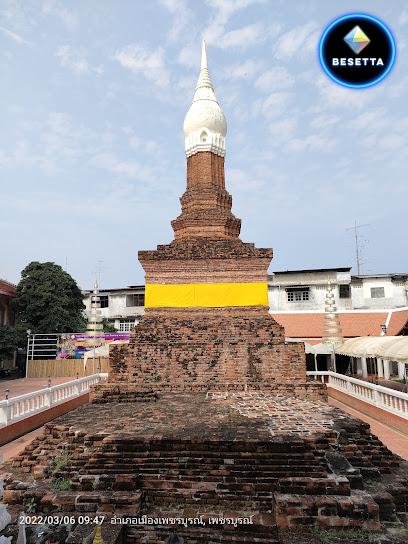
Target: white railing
[
  {"x": 385, "y": 398},
  {"x": 18, "y": 408}
]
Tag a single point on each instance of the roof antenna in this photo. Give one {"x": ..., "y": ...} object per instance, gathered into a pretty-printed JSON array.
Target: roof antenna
[{"x": 359, "y": 259}]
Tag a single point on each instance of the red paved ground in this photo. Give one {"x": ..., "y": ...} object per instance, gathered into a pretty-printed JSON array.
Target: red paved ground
[
  {"x": 394, "y": 440},
  {"x": 13, "y": 448},
  {"x": 26, "y": 385}
]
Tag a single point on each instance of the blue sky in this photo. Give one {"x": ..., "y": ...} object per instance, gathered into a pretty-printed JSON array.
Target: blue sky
[{"x": 93, "y": 97}]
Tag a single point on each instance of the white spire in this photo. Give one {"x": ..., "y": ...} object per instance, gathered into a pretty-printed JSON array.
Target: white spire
[
  {"x": 95, "y": 325},
  {"x": 205, "y": 126},
  {"x": 204, "y": 79},
  {"x": 332, "y": 329}
]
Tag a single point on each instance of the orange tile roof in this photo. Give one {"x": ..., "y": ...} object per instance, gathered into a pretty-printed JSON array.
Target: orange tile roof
[
  {"x": 7, "y": 288},
  {"x": 398, "y": 321},
  {"x": 311, "y": 325}
]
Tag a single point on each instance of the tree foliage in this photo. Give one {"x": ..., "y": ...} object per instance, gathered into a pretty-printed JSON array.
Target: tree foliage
[
  {"x": 49, "y": 300},
  {"x": 8, "y": 341},
  {"x": 107, "y": 325}
]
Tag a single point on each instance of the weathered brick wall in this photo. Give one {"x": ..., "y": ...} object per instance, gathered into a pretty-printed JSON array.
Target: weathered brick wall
[
  {"x": 206, "y": 205},
  {"x": 208, "y": 351},
  {"x": 206, "y": 261}
]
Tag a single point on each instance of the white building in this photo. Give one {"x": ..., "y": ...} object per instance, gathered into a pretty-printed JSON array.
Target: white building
[
  {"x": 120, "y": 307},
  {"x": 293, "y": 290}
]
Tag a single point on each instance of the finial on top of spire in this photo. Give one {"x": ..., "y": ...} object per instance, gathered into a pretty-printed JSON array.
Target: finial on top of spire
[
  {"x": 204, "y": 63},
  {"x": 204, "y": 79}
]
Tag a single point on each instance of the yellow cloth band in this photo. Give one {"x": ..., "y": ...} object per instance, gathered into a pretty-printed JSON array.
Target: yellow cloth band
[{"x": 205, "y": 295}]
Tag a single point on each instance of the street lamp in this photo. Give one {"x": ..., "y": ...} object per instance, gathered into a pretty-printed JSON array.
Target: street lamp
[{"x": 28, "y": 350}]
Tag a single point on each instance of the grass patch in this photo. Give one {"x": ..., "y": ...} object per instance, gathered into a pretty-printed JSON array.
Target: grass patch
[
  {"x": 61, "y": 484},
  {"x": 59, "y": 463}
]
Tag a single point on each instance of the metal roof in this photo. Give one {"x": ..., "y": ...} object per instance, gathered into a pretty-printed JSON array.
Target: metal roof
[{"x": 343, "y": 269}]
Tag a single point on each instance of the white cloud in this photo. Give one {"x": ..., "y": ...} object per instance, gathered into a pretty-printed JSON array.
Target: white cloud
[
  {"x": 312, "y": 142},
  {"x": 14, "y": 36},
  {"x": 242, "y": 181},
  {"x": 397, "y": 89},
  {"x": 324, "y": 121},
  {"x": 181, "y": 16},
  {"x": 224, "y": 10},
  {"x": 55, "y": 7},
  {"x": 109, "y": 161},
  {"x": 370, "y": 120},
  {"x": 73, "y": 59},
  {"x": 403, "y": 18},
  {"x": 141, "y": 144},
  {"x": 276, "y": 78},
  {"x": 283, "y": 129},
  {"x": 295, "y": 41},
  {"x": 273, "y": 105},
  {"x": 189, "y": 55},
  {"x": 335, "y": 96},
  {"x": 149, "y": 63},
  {"x": 242, "y": 38}
]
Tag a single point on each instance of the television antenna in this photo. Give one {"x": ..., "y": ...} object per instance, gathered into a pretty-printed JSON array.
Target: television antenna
[{"x": 356, "y": 228}]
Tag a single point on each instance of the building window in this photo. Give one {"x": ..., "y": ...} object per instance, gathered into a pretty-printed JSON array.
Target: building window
[
  {"x": 135, "y": 300},
  {"x": 125, "y": 326},
  {"x": 104, "y": 301},
  {"x": 377, "y": 292},
  {"x": 344, "y": 291},
  {"x": 298, "y": 294}
]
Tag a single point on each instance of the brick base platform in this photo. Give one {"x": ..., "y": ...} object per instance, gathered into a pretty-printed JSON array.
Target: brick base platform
[
  {"x": 228, "y": 349},
  {"x": 281, "y": 462}
]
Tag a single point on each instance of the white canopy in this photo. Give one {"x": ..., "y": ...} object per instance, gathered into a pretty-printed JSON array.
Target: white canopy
[
  {"x": 319, "y": 349},
  {"x": 101, "y": 351},
  {"x": 393, "y": 348}
]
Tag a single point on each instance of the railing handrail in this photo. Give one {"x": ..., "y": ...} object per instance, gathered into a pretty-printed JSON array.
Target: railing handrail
[
  {"x": 23, "y": 406},
  {"x": 362, "y": 383},
  {"x": 384, "y": 398},
  {"x": 46, "y": 389}
]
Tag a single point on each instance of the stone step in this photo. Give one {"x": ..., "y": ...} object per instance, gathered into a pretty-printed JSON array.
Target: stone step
[
  {"x": 357, "y": 510},
  {"x": 339, "y": 485}
]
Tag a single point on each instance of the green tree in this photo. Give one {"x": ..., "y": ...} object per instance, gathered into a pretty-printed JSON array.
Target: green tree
[
  {"x": 107, "y": 325},
  {"x": 49, "y": 300},
  {"x": 8, "y": 342}
]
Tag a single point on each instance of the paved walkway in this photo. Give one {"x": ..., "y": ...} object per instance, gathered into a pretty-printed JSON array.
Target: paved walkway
[
  {"x": 13, "y": 448},
  {"x": 394, "y": 440},
  {"x": 27, "y": 385}
]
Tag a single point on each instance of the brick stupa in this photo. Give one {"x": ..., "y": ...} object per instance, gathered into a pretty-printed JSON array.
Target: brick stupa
[
  {"x": 207, "y": 414},
  {"x": 207, "y": 322}
]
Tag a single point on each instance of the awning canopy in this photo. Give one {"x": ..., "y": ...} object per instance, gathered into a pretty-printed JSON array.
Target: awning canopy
[
  {"x": 319, "y": 349},
  {"x": 101, "y": 351},
  {"x": 393, "y": 348}
]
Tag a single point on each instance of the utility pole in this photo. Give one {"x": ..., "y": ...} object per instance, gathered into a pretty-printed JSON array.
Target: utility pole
[{"x": 357, "y": 242}]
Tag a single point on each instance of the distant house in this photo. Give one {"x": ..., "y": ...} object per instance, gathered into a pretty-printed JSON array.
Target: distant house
[
  {"x": 122, "y": 306},
  {"x": 368, "y": 305},
  {"x": 7, "y": 293}
]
